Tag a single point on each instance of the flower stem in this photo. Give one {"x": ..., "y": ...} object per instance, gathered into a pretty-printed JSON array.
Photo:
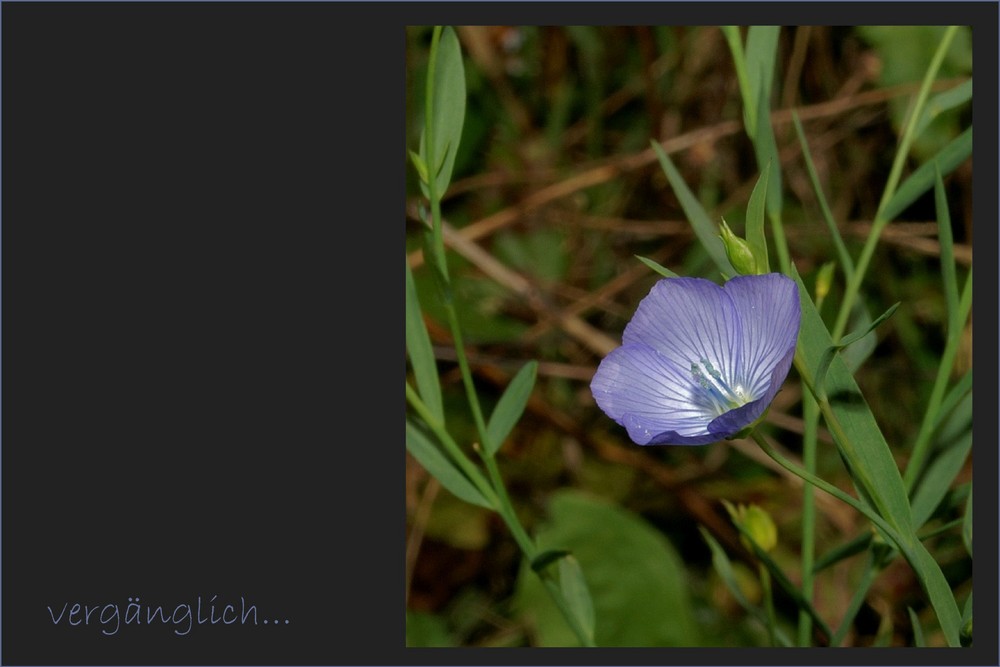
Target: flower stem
[{"x": 765, "y": 582}]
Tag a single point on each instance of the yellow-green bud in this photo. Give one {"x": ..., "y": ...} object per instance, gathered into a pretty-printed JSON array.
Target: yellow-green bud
[
  {"x": 823, "y": 280},
  {"x": 756, "y": 523},
  {"x": 738, "y": 251}
]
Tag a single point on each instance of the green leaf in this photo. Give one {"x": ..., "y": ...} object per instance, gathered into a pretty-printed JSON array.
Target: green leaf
[
  {"x": 662, "y": 270},
  {"x": 846, "y": 550},
  {"x": 954, "y": 397},
  {"x": 920, "y": 181},
  {"x": 547, "y": 557},
  {"x": 574, "y": 589},
  {"x": 761, "y": 49},
  {"x": 938, "y": 478},
  {"x": 637, "y": 582},
  {"x": 918, "y": 632},
  {"x": 762, "y": 44},
  {"x": 418, "y": 346},
  {"x": 704, "y": 229},
  {"x": 830, "y": 352},
  {"x": 724, "y": 568},
  {"x": 942, "y": 102},
  {"x": 967, "y": 524},
  {"x": 950, "y": 282},
  {"x": 511, "y": 406},
  {"x": 755, "y": 222},
  {"x": 846, "y": 263},
  {"x": 443, "y": 470},
  {"x": 421, "y": 168},
  {"x": 448, "y": 112}
]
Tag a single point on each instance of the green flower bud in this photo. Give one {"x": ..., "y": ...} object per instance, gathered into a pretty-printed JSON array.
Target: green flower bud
[
  {"x": 738, "y": 251},
  {"x": 756, "y": 523},
  {"x": 823, "y": 280}
]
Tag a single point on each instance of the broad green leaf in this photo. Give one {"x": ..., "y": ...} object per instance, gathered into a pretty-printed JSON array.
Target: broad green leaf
[
  {"x": 938, "y": 478},
  {"x": 511, "y": 405},
  {"x": 637, "y": 581},
  {"x": 755, "y": 222},
  {"x": 574, "y": 589},
  {"x": 448, "y": 112},
  {"x": 662, "y": 270},
  {"x": 921, "y": 180},
  {"x": 704, "y": 229},
  {"x": 443, "y": 470},
  {"x": 418, "y": 345}
]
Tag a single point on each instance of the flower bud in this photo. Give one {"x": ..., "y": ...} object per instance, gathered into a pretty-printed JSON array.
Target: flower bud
[
  {"x": 823, "y": 281},
  {"x": 738, "y": 251},
  {"x": 757, "y": 524}
]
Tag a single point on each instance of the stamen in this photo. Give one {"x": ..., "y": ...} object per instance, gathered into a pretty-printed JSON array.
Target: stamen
[{"x": 723, "y": 398}]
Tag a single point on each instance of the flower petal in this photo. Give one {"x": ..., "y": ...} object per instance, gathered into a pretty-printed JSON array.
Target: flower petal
[
  {"x": 688, "y": 320},
  {"x": 647, "y": 394},
  {"x": 768, "y": 307}
]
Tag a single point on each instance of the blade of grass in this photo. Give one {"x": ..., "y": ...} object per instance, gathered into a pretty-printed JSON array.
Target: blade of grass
[
  {"x": 418, "y": 345},
  {"x": 704, "y": 229},
  {"x": 922, "y": 180},
  {"x": 846, "y": 263},
  {"x": 882, "y": 216},
  {"x": 948, "y": 279}
]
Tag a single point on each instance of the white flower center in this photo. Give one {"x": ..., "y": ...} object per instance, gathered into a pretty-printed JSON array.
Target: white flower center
[{"x": 722, "y": 397}]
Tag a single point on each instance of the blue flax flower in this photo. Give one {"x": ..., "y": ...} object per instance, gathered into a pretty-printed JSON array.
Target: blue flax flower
[{"x": 698, "y": 362}]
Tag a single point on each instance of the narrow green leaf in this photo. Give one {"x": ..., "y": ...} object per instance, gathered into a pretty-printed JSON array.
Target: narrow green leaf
[
  {"x": 767, "y": 152},
  {"x": 547, "y": 557},
  {"x": 418, "y": 346},
  {"x": 942, "y": 102},
  {"x": 918, "y": 632},
  {"x": 846, "y": 263},
  {"x": 921, "y": 180},
  {"x": 948, "y": 278},
  {"x": 967, "y": 524},
  {"x": 761, "y": 49},
  {"x": 869, "y": 453},
  {"x": 421, "y": 167},
  {"x": 704, "y": 229},
  {"x": 966, "y": 635},
  {"x": 574, "y": 589},
  {"x": 755, "y": 222},
  {"x": 830, "y": 352},
  {"x": 938, "y": 478},
  {"x": 443, "y": 470},
  {"x": 662, "y": 270},
  {"x": 511, "y": 405},
  {"x": 724, "y": 568},
  {"x": 792, "y": 590},
  {"x": 448, "y": 109},
  {"x": 845, "y": 550},
  {"x": 954, "y": 396}
]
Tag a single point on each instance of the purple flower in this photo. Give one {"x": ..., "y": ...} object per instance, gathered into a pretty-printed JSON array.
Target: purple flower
[{"x": 699, "y": 362}]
